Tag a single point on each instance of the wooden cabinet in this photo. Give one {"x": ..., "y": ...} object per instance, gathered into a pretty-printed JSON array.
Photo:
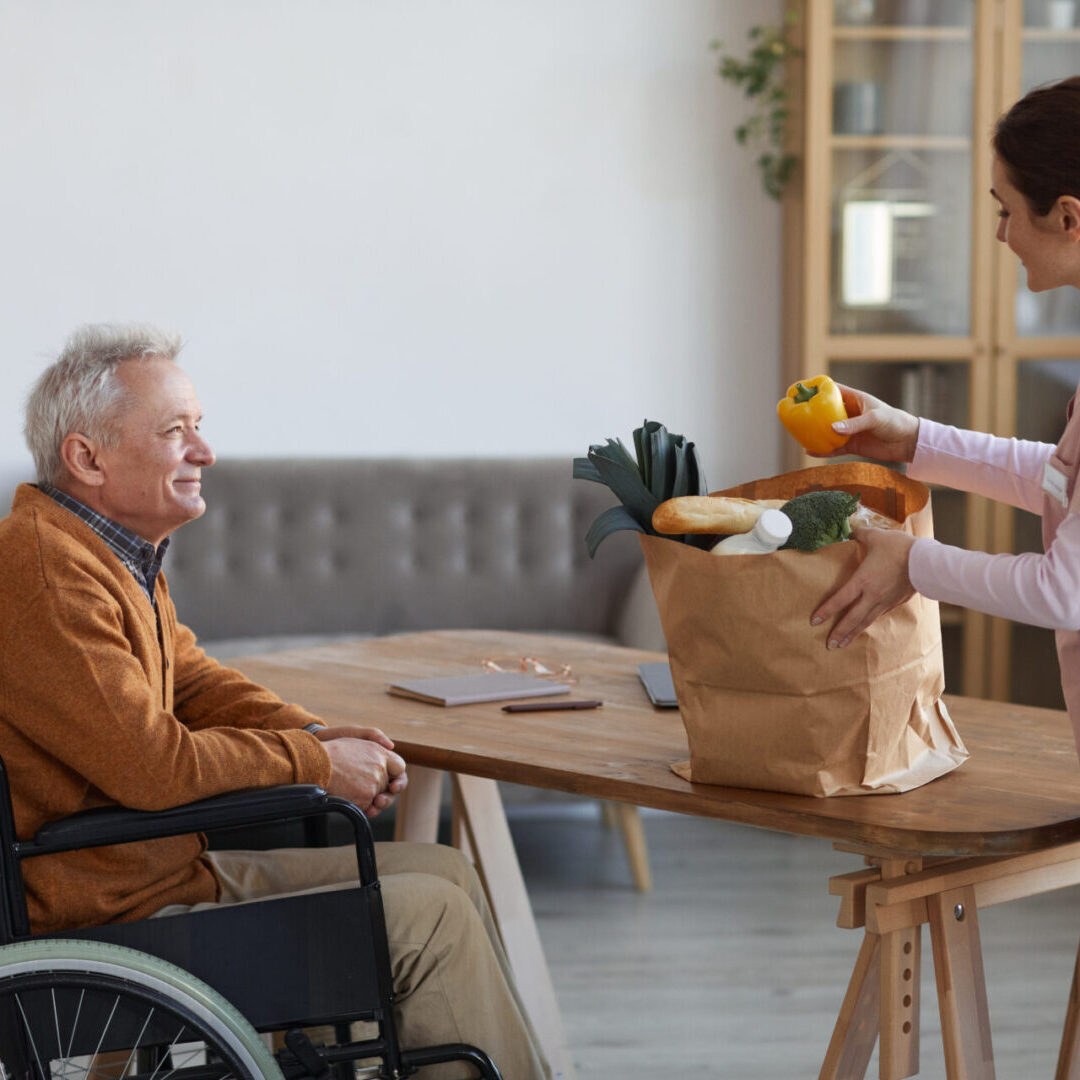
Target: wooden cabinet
[{"x": 894, "y": 282}]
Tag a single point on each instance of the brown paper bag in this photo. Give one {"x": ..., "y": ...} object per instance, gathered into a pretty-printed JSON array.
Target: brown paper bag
[{"x": 765, "y": 703}]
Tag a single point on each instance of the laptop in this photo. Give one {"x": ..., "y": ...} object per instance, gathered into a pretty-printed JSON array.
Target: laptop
[{"x": 656, "y": 678}]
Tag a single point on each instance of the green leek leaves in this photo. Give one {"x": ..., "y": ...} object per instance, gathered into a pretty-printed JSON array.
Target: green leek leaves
[{"x": 663, "y": 467}]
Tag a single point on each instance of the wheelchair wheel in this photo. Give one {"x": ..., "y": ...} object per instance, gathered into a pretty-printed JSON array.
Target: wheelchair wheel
[{"x": 86, "y": 1010}]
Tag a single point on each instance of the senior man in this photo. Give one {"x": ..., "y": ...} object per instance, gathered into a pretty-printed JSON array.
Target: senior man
[{"x": 105, "y": 698}]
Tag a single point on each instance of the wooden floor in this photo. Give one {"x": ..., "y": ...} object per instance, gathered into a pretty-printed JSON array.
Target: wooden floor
[{"x": 732, "y": 967}]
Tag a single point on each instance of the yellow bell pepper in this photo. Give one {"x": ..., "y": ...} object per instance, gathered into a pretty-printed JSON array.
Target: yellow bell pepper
[{"x": 809, "y": 411}]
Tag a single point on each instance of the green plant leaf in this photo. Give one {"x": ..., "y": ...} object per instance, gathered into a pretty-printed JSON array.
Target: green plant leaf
[
  {"x": 641, "y": 451},
  {"x": 613, "y": 450},
  {"x": 690, "y": 480},
  {"x": 760, "y": 76},
  {"x": 697, "y": 486},
  {"x": 682, "y": 479},
  {"x": 612, "y": 520},
  {"x": 662, "y": 457},
  {"x": 644, "y": 451},
  {"x": 666, "y": 465},
  {"x": 620, "y": 473},
  {"x": 584, "y": 469}
]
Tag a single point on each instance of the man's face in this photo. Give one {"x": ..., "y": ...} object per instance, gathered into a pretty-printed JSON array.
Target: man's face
[{"x": 150, "y": 478}]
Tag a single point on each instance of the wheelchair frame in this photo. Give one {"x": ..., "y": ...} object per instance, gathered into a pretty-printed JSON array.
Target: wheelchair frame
[{"x": 310, "y": 978}]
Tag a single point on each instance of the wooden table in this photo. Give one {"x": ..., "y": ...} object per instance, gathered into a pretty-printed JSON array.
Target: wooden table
[{"x": 1004, "y": 825}]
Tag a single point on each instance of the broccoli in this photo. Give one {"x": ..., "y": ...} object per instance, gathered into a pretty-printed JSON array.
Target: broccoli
[{"x": 819, "y": 518}]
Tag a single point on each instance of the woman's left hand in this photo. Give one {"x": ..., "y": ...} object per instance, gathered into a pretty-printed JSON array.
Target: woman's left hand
[{"x": 879, "y": 583}]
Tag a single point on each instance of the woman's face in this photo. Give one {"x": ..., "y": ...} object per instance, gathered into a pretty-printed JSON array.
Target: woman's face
[{"x": 1040, "y": 243}]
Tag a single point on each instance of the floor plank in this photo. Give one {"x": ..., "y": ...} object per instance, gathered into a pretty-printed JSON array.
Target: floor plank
[{"x": 732, "y": 966}]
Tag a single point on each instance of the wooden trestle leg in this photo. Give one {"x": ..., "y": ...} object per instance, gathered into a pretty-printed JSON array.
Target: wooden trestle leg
[
  {"x": 961, "y": 985},
  {"x": 856, "y": 1028},
  {"x": 1068, "y": 1066},
  {"x": 892, "y": 901},
  {"x": 898, "y": 1053},
  {"x": 882, "y": 1001}
]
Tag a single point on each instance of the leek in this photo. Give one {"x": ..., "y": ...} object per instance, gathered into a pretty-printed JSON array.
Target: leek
[{"x": 662, "y": 467}]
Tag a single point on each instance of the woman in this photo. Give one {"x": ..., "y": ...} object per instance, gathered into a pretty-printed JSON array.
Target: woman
[{"x": 1036, "y": 182}]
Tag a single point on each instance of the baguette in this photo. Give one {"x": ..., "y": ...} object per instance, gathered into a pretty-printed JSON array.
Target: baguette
[{"x": 710, "y": 514}]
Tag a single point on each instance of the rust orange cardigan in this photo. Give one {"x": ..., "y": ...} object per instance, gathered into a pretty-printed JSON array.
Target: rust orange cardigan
[{"x": 96, "y": 710}]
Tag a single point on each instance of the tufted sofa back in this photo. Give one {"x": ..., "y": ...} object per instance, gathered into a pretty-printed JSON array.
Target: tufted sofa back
[{"x": 375, "y": 546}]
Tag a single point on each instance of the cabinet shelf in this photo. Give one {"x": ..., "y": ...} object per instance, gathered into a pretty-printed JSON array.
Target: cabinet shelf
[
  {"x": 1044, "y": 347},
  {"x": 899, "y": 348},
  {"x": 1041, "y": 33},
  {"x": 902, "y": 33},
  {"x": 956, "y": 143}
]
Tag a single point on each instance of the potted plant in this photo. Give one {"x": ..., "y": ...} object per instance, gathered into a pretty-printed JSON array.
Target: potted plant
[{"x": 760, "y": 75}]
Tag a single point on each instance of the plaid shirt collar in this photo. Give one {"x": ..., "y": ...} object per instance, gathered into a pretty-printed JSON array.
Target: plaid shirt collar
[{"x": 137, "y": 554}]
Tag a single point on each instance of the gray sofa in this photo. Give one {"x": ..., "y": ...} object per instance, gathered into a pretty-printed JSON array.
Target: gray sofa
[{"x": 301, "y": 551}]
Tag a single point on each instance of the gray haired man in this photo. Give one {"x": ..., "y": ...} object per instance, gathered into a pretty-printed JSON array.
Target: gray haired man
[{"x": 141, "y": 717}]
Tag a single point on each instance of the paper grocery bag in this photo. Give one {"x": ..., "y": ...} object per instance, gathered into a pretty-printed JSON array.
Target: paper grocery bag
[{"x": 765, "y": 703}]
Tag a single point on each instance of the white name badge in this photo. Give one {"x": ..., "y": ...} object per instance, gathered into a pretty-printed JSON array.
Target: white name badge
[{"x": 1055, "y": 484}]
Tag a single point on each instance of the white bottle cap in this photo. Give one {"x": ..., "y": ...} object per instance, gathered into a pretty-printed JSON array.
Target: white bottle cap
[{"x": 773, "y": 527}]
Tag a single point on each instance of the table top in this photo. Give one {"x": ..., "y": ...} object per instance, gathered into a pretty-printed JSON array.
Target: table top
[{"x": 1019, "y": 791}]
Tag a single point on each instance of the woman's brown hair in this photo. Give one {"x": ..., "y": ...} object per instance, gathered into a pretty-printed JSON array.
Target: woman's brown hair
[{"x": 1038, "y": 142}]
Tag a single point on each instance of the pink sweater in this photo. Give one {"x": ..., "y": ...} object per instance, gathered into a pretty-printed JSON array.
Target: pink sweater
[{"x": 1040, "y": 589}]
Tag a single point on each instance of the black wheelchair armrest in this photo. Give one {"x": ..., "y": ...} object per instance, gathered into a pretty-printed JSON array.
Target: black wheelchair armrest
[
  {"x": 91, "y": 828},
  {"x": 254, "y": 806},
  {"x": 117, "y": 824}
]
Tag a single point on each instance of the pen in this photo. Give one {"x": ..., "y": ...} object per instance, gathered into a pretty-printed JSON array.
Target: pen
[{"x": 545, "y": 706}]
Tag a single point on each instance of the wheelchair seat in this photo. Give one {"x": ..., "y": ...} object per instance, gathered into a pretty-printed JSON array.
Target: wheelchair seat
[{"x": 185, "y": 996}]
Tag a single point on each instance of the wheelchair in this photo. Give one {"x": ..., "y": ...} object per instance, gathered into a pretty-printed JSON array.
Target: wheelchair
[{"x": 228, "y": 992}]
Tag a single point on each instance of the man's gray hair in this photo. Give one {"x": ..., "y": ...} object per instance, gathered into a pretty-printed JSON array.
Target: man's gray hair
[{"x": 80, "y": 391}]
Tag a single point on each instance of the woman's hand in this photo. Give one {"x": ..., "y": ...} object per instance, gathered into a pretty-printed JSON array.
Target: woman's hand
[
  {"x": 880, "y": 583},
  {"x": 876, "y": 430}
]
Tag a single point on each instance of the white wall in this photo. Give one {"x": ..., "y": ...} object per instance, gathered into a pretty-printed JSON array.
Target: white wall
[{"x": 418, "y": 227}]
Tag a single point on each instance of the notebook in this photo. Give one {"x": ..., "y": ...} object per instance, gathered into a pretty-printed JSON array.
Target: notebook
[
  {"x": 468, "y": 689},
  {"x": 656, "y": 678}
]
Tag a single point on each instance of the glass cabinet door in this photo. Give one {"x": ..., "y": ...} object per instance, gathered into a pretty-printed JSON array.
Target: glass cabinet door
[
  {"x": 935, "y": 389},
  {"x": 902, "y": 93}
]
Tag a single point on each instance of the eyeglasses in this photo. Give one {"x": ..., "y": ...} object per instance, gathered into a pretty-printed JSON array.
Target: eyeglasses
[{"x": 562, "y": 672}]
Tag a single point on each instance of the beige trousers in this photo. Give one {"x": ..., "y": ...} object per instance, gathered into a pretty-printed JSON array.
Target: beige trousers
[{"x": 451, "y": 976}]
